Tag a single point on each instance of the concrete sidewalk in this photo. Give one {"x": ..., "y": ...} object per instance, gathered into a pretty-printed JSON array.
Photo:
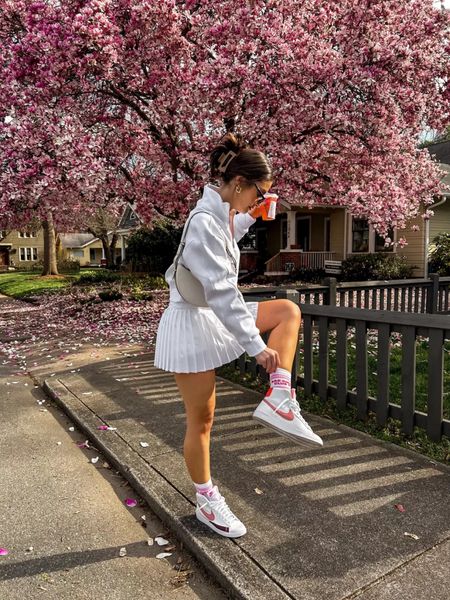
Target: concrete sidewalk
[
  {"x": 63, "y": 518},
  {"x": 321, "y": 523}
]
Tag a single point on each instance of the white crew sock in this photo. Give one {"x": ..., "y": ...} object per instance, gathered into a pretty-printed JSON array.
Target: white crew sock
[
  {"x": 281, "y": 379},
  {"x": 207, "y": 489},
  {"x": 204, "y": 488}
]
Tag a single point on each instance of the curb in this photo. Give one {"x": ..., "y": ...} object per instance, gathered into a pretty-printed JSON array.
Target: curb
[{"x": 226, "y": 561}]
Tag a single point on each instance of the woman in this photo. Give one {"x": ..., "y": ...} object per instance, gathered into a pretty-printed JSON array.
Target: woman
[{"x": 193, "y": 341}]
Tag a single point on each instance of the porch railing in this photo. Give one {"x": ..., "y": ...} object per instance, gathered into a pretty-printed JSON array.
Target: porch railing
[
  {"x": 412, "y": 330},
  {"x": 310, "y": 260}
]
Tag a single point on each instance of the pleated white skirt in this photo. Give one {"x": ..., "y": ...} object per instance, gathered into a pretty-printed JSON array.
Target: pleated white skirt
[{"x": 192, "y": 339}]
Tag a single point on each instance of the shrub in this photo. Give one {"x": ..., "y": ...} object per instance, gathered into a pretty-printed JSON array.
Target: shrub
[
  {"x": 110, "y": 294},
  {"x": 64, "y": 266},
  {"x": 307, "y": 275},
  {"x": 97, "y": 277},
  {"x": 394, "y": 267},
  {"x": 68, "y": 266},
  {"x": 153, "y": 250},
  {"x": 141, "y": 296},
  {"x": 377, "y": 266},
  {"x": 147, "y": 282},
  {"x": 440, "y": 255}
]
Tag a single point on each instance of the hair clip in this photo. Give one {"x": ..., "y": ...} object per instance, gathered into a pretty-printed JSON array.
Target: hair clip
[{"x": 225, "y": 160}]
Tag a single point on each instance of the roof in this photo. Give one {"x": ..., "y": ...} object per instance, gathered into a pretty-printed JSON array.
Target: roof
[
  {"x": 129, "y": 219},
  {"x": 76, "y": 240},
  {"x": 440, "y": 152}
]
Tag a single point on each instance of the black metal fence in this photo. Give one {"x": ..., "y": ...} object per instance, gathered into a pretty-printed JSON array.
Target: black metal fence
[
  {"x": 430, "y": 295},
  {"x": 323, "y": 322}
]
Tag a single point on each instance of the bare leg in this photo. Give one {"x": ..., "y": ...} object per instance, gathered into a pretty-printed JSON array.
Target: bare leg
[
  {"x": 282, "y": 318},
  {"x": 198, "y": 391}
]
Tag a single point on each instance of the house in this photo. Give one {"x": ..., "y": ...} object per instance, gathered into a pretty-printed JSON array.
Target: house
[
  {"x": 84, "y": 247},
  {"x": 88, "y": 249},
  {"x": 129, "y": 222},
  {"x": 303, "y": 237},
  {"x": 417, "y": 250},
  {"x": 20, "y": 248}
]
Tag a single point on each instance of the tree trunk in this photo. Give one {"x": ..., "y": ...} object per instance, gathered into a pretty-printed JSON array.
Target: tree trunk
[
  {"x": 50, "y": 262},
  {"x": 112, "y": 247},
  {"x": 109, "y": 249}
]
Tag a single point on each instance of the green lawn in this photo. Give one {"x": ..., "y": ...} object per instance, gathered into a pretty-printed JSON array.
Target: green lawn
[
  {"x": 395, "y": 387},
  {"x": 21, "y": 284},
  {"x": 395, "y": 370}
]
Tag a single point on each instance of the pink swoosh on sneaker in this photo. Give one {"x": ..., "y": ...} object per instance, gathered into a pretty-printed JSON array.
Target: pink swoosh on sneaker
[
  {"x": 209, "y": 515},
  {"x": 289, "y": 416}
]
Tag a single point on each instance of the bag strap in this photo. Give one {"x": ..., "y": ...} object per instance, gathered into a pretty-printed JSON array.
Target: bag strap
[{"x": 183, "y": 243}]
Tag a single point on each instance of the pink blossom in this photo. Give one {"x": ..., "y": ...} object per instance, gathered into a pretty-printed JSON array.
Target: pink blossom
[{"x": 128, "y": 97}]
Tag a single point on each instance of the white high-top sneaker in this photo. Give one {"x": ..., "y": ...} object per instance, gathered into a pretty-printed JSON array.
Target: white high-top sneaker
[
  {"x": 214, "y": 512},
  {"x": 280, "y": 411}
]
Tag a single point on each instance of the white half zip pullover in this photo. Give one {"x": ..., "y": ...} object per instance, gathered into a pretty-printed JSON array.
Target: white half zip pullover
[{"x": 216, "y": 264}]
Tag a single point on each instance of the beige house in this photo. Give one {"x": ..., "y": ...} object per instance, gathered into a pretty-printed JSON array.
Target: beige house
[
  {"x": 88, "y": 249},
  {"x": 84, "y": 247},
  {"x": 311, "y": 238},
  {"x": 419, "y": 242},
  {"x": 20, "y": 248}
]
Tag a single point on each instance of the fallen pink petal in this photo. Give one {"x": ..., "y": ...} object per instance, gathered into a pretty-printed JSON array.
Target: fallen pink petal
[
  {"x": 400, "y": 508},
  {"x": 3, "y": 552},
  {"x": 161, "y": 541},
  {"x": 130, "y": 502},
  {"x": 103, "y": 427}
]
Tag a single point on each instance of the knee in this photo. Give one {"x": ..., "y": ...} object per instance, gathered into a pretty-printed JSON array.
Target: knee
[
  {"x": 201, "y": 423},
  {"x": 292, "y": 311}
]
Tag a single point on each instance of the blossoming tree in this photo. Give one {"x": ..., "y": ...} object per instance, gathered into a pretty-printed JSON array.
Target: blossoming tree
[{"x": 131, "y": 95}]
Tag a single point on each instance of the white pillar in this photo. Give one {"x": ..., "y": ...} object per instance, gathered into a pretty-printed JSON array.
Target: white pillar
[
  {"x": 291, "y": 228},
  {"x": 122, "y": 248}
]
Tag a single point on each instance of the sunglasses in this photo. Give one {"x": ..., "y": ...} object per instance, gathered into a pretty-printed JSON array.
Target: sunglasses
[{"x": 260, "y": 197}]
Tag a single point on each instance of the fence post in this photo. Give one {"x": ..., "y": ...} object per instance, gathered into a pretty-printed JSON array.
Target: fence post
[
  {"x": 329, "y": 297},
  {"x": 433, "y": 296},
  {"x": 294, "y": 296}
]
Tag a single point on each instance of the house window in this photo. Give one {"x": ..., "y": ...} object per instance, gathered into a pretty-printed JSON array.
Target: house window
[
  {"x": 26, "y": 234},
  {"x": 92, "y": 254},
  {"x": 360, "y": 235},
  {"x": 27, "y": 254},
  {"x": 364, "y": 238},
  {"x": 379, "y": 242}
]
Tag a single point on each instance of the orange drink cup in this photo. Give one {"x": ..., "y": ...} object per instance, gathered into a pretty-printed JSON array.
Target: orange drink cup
[{"x": 269, "y": 207}]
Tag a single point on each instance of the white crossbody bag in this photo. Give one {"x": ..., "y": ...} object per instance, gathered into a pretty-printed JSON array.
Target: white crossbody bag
[{"x": 188, "y": 286}]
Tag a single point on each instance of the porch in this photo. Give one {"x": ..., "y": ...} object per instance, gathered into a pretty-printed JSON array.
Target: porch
[
  {"x": 289, "y": 260},
  {"x": 303, "y": 238}
]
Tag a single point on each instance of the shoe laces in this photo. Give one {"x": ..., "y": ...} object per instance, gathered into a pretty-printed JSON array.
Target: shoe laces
[
  {"x": 295, "y": 406},
  {"x": 222, "y": 507}
]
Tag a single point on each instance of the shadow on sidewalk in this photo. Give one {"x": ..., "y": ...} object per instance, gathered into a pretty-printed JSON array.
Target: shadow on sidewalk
[{"x": 321, "y": 523}]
